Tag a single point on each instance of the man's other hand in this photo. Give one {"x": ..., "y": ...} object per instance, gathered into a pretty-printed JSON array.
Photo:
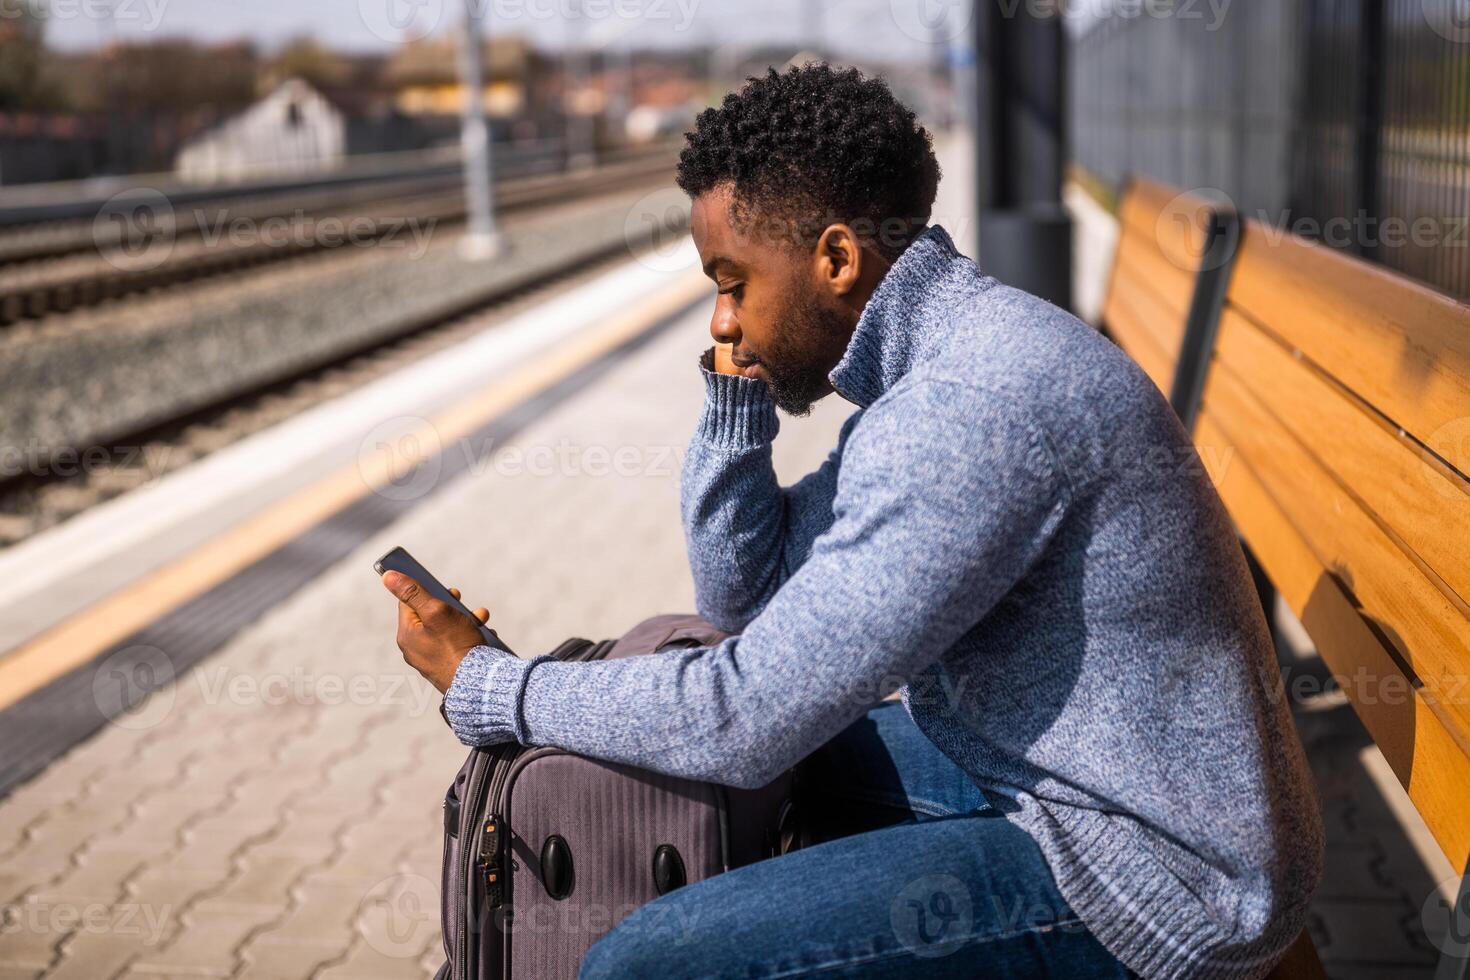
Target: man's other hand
[
  {"x": 725, "y": 363},
  {"x": 433, "y": 635}
]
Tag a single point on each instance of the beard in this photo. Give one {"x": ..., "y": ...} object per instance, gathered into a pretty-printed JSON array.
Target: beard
[{"x": 802, "y": 354}]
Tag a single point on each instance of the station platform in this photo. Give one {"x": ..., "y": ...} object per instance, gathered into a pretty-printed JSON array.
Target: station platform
[
  {"x": 273, "y": 809},
  {"x": 274, "y": 812}
]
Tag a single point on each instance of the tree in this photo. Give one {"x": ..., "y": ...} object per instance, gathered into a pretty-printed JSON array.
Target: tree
[
  {"x": 22, "y": 44},
  {"x": 166, "y": 76},
  {"x": 307, "y": 60}
]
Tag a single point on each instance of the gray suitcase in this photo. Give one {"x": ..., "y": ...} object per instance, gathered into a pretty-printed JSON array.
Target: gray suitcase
[{"x": 545, "y": 851}]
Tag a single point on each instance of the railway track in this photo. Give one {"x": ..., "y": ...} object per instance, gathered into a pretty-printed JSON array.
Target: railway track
[
  {"x": 31, "y": 212},
  {"x": 34, "y": 500},
  {"x": 67, "y": 219},
  {"x": 211, "y": 241},
  {"x": 55, "y": 239}
]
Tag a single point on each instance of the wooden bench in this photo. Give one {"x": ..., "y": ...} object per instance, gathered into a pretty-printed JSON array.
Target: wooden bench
[
  {"x": 1335, "y": 400},
  {"x": 1168, "y": 284}
]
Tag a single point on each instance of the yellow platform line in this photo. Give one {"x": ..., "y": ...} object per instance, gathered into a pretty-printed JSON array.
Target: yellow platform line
[{"x": 103, "y": 625}]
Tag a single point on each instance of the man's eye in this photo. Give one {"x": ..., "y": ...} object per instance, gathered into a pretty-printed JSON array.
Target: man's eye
[{"x": 738, "y": 292}]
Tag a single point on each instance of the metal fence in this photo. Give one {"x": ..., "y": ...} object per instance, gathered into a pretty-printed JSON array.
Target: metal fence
[
  {"x": 1346, "y": 120},
  {"x": 1423, "y": 156}
]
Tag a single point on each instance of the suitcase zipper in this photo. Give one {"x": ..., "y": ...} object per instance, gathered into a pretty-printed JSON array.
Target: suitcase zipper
[
  {"x": 492, "y": 833},
  {"x": 486, "y": 857},
  {"x": 462, "y": 878},
  {"x": 490, "y": 860}
]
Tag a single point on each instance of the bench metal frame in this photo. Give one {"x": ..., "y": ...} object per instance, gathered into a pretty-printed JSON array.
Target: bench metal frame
[
  {"x": 1222, "y": 238},
  {"x": 1454, "y": 948}
]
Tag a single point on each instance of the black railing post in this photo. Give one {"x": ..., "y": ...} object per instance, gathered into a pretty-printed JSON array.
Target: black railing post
[
  {"x": 1370, "y": 124},
  {"x": 1025, "y": 235}
]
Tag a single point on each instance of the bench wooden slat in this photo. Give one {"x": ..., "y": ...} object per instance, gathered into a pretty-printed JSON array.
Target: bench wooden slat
[
  {"x": 1426, "y": 504},
  {"x": 1131, "y": 322},
  {"x": 1423, "y": 751},
  {"x": 1173, "y": 220},
  {"x": 1428, "y": 630},
  {"x": 1163, "y": 322},
  {"x": 1142, "y": 259},
  {"x": 1400, "y": 346}
]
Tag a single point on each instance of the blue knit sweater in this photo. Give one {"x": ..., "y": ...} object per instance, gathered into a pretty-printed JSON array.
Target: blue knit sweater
[{"x": 1016, "y": 532}]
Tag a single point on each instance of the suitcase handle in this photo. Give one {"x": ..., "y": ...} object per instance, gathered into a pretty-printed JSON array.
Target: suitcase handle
[{"x": 451, "y": 814}]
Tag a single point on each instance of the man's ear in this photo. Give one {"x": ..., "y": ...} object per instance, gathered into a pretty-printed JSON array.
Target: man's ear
[{"x": 839, "y": 259}]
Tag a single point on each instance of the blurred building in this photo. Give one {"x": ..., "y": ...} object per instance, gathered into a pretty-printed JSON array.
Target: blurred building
[
  {"x": 35, "y": 147},
  {"x": 121, "y": 108},
  {"x": 424, "y": 76},
  {"x": 361, "y": 89},
  {"x": 293, "y": 130},
  {"x": 665, "y": 94}
]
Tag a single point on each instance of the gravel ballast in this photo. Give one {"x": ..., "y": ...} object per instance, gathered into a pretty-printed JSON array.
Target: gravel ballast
[{"x": 102, "y": 374}]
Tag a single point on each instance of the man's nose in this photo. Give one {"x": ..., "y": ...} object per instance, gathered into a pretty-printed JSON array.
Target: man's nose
[{"x": 723, "y": 326}]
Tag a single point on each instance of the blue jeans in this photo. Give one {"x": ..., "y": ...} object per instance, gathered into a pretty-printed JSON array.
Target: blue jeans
[{"x": 914, "y": 876}]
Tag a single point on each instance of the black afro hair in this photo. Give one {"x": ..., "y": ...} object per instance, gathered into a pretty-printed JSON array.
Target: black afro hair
[{"x": 814, "y": 145}]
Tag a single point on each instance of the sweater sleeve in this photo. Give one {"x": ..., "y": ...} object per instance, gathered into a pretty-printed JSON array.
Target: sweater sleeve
[
  {"x": 745, "y": 533},
  {"x": 945, "y": 500},
  {"x": 485, "y": 680}
]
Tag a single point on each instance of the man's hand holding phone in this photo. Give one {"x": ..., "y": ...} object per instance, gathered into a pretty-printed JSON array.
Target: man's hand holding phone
[{"x": 433, "y": 635}]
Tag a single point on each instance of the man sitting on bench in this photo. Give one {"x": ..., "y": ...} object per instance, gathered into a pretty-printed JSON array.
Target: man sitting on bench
[{"x": 1096, "y": 773}]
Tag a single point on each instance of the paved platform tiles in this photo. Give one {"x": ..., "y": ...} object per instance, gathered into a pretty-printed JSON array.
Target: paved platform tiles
[
  {"x": 275, "y": 813},
  {"x": 266, "y": 821}
]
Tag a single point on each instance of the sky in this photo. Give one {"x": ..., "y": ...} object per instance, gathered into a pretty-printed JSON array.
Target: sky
[{"x": 892, "y": 29}]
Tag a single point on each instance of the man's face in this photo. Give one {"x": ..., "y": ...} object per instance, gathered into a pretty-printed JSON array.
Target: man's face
[{"x": 783, "y": 327}]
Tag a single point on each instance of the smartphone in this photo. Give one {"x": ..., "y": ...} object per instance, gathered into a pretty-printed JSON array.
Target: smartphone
[{"x": 399, "y": 560}]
